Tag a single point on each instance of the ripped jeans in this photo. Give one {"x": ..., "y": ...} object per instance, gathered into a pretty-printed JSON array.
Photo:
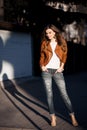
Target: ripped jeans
[{"x": 60, "y": 82}]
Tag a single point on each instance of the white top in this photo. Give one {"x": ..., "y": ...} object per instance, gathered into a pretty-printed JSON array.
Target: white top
[{"x": 54, "y": 62}]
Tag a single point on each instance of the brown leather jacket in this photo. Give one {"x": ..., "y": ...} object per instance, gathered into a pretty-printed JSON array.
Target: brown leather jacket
[{"x": 46, "y": 52}]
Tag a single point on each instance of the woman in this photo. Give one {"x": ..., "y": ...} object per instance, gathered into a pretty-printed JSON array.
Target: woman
[{"x": 53, "y": 56}]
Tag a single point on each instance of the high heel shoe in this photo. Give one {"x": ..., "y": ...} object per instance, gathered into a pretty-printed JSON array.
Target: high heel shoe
[
  {"x": 53, "y": 120},
  {"x": 73, "y": 119}
]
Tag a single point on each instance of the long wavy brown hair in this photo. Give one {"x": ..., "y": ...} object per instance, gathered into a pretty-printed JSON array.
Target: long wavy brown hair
[{"x": 58, "y": 34}]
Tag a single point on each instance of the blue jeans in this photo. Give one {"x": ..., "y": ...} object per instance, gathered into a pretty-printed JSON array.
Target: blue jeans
[{"x": 60, "y": 82}]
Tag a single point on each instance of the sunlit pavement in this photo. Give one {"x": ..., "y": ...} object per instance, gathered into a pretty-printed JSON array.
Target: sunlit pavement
[{"x": 23, "y": 104}]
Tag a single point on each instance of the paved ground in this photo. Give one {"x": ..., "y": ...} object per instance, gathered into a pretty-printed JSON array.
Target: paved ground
[{"x": 23, "y": 104}]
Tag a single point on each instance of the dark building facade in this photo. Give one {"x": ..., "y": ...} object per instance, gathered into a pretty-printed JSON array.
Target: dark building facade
[{"x": 32, "y": 16}]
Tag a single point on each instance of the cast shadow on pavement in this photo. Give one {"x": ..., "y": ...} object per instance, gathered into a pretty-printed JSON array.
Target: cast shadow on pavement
[{"x": 10, "y": 88}]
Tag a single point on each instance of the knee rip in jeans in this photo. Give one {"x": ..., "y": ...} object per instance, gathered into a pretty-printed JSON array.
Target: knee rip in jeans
[
  {"x": 49, "y": 90},
  {"x": 48, "y": 83}
]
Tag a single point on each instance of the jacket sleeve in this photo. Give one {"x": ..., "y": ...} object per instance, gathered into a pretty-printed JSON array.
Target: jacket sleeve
[
  {"x": 64, "y": 49},
  {"x": 41, "y": 61}
]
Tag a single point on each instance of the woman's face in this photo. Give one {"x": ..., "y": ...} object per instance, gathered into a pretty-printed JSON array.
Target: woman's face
[{"x": 50, "y": 34}]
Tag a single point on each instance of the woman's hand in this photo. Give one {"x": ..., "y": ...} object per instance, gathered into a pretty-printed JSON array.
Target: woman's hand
[
  {"x": 43, "y": 68},
  {"x": 61, "y": 69}
]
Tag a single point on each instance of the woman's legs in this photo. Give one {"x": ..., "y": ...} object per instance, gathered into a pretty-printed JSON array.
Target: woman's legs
[
  {"x": 47, "y": 80},
  {"x": 59, "y": 79}
]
